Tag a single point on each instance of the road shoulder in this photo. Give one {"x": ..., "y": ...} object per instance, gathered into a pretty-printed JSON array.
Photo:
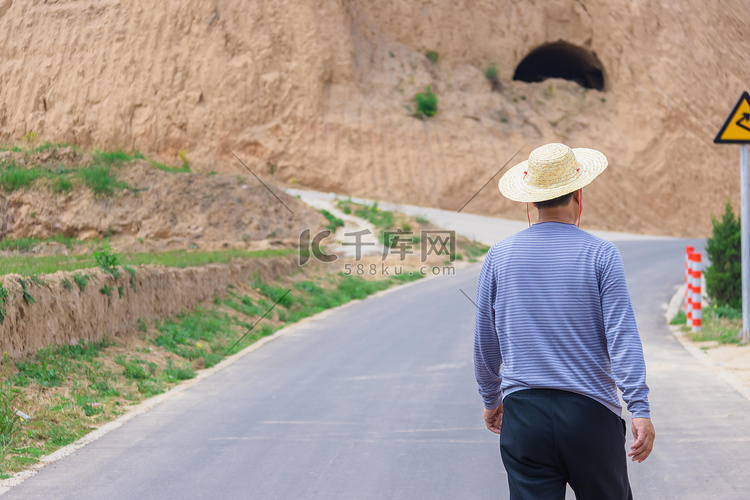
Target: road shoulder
[{"x": 730, "y": 362}]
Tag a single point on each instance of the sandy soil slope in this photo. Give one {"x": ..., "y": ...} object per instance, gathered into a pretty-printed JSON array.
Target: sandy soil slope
[{"x": 313, "y": 92}]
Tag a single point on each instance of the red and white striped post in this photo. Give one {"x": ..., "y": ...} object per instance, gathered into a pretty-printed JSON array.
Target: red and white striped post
[
  {"x": 688, "y": 295},
  {"x": 696, "y": 261}
]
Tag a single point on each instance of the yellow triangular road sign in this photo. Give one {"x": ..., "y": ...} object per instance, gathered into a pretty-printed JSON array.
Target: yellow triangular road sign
[{"x": 736, "y": 130}]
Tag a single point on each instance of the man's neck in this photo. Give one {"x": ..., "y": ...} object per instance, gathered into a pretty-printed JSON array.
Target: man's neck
[{"x": 558, "y": 214}]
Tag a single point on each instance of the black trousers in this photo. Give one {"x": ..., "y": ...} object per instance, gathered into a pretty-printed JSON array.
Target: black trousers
[{"x": 549, "y": 438}]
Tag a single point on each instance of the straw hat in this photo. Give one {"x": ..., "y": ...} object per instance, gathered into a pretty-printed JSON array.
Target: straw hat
[{"x": 552, "y": 170}]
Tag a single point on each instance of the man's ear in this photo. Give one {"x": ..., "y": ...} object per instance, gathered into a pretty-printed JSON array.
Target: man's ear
[{"x": 577, "y": 196}]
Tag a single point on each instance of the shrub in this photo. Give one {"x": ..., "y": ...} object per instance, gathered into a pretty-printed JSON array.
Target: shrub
[
  {"x": 432, "y": 56},
  {"x": 724, "y": 275},
  {"x": 427, "y": 103},
  {"x": 106, "y": 260},
  {"x": 490, "y": 72},
  {"x": 26, "y": 295},
  {"x": 81, "y": 280},
  {"x": 107, "y": 290}
]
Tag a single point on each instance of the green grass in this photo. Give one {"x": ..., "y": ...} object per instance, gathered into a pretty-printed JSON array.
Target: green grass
[
  {"x": 50, "y": 366},
  {"x": 99, "y": 175},
  {"x": 110, "y": 158},
  {"x": 13, "y": 177},
  {"x": 136, "y": 369},
  {"x": 476, "y": 249},
  {"x": 26, "y": 244},
  {"x": 198, "y": 334},
  {"x": 61, "y": 184},
  {"x": 680, "y": 318},
  {"x": 308, "y": 298},
  {"x": 45, "y": 146},
  {"x": 274, "y": 293},
  {"x": 183, "y": 372},
  {"x": 9, "y": 421},
  {"x": 49, "y": 264},
  {"x": 380, "y": 218},
  {"x": 100, "y": 180},
  {"x": 244, "y": 304},
  {"x": 333, "y": 221},
  {"x": 184, "y": 169},
  {"x": 720, "y": 324}
]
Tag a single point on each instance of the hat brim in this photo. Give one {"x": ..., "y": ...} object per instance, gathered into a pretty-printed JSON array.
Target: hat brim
[{"x": 514, "y": 186}]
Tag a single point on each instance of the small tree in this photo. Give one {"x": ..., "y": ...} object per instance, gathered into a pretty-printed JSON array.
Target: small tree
[{"x": 724, "y": 275}]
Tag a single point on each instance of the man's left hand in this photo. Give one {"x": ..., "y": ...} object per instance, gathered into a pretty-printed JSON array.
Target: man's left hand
[{"x": 493, "y": 418}]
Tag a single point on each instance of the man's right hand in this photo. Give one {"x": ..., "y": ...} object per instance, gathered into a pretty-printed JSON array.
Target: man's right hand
[
  {"x": 493, "y": 418},
  {"x": 644, "y": 434}
]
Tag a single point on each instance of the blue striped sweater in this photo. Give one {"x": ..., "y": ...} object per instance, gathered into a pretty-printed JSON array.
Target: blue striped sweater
[{"x": 553, "y": 311}]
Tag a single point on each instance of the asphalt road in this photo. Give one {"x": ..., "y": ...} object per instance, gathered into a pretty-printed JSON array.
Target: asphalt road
[{"x": 377, "y": 401}]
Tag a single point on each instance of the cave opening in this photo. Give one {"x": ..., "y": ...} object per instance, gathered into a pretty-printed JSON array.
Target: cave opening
[{"x": 562, "y": 60}]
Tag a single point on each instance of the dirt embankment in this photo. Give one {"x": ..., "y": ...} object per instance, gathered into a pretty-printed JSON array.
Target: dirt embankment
[
  {"x": 314, "y": 92},
  {"x": 66, "y": 315},
  {"x": 158, "y": 211}
]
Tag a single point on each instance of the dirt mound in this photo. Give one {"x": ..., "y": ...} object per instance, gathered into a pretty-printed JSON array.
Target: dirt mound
[
  {"x": 67, "y": 315},
  {"x": 314, "y": 92},
  {"x": 159, "y": 210}
]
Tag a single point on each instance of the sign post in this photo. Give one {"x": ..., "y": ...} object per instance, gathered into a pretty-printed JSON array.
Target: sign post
[
  {"x": 736, "y": 130},
  {"x": 745, "y": 238}
]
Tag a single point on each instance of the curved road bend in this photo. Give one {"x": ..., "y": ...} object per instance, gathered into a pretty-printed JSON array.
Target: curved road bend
[{"x": 378, "y": 401}]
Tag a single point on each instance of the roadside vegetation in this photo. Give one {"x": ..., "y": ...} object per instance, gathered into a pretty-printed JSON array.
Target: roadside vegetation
[
  {"x": 722, "y": 315},
  {"x": 719, "y": 324},
  {"x": 28, "y": 264},
  {"x": 67, "y": 391},
  {"x": 724, "y": 275},
  {"x": 399, "y": 231},
  {"x": 333, "y": 222}
]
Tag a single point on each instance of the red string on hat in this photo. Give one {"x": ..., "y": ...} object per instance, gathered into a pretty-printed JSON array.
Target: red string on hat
[
  {"x": 580, "y": 212},
  {"x": 527, "y": 213}
]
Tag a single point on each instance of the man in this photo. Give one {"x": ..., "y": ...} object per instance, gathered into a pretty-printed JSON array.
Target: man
[{"x": 555, "y": 336}]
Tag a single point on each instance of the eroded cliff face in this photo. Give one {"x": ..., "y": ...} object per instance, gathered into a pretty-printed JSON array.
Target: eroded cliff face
[{"x": 314, "y": 92}]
